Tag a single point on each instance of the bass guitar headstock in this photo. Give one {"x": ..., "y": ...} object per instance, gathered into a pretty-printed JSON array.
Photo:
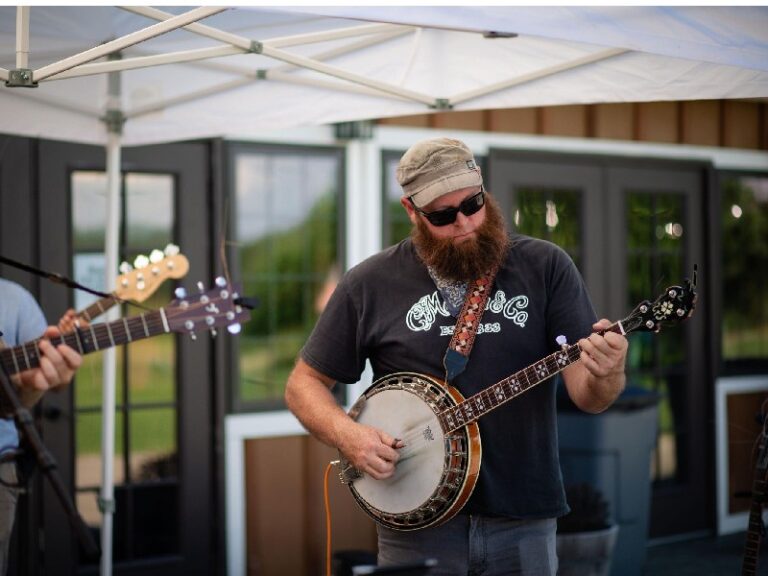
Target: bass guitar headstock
[{"x": 140, "y": 281}]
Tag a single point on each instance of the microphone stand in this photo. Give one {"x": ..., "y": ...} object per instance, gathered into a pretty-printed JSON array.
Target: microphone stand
[{"x": 9, "y": 400}]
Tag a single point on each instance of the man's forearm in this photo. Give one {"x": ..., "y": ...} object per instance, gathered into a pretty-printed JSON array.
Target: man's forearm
[
  {"x": 311, "y": 401},
  {"x": 591, "y": 393},
  {"x": 603, "y": 391}
]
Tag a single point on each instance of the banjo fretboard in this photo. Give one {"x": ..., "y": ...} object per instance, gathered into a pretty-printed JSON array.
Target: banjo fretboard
[{"x": 494, "y": 396}]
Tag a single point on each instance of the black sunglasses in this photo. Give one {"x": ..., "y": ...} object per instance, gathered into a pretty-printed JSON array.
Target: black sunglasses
[{"x": 447, "y": 216}]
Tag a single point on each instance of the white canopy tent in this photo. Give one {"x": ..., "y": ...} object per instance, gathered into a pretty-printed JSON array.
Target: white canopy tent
[
  {"x": 243, "y": 69},
  {"x": 230, "y": 72}
]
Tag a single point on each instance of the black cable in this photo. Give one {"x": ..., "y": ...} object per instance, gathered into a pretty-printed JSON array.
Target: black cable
[{"x": 52, "y": 276}]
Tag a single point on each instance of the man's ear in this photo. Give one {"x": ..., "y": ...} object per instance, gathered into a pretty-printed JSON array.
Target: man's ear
[{"x": 412, "y": 215}]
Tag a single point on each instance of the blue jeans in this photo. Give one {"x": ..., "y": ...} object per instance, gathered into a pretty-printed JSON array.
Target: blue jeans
[{"x": 472, "y": 545}]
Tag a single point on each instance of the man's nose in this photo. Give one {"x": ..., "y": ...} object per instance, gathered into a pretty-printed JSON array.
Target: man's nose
[{"x": 461, "y": 219}]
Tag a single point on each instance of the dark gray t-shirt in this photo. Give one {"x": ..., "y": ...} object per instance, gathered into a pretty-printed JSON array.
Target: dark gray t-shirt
[{"x": 387, "y": 309}]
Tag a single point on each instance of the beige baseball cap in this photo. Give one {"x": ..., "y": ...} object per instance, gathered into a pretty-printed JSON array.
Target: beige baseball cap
[{"x": 434, "y": 167}]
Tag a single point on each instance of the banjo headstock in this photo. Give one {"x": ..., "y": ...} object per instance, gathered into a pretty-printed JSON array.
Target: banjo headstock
[{"x": 672, "y": 306}]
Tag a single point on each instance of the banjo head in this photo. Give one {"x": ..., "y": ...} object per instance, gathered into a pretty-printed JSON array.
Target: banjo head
[
  {"x": 434, "y": 467},
  {"x": 418, "y": 471}
]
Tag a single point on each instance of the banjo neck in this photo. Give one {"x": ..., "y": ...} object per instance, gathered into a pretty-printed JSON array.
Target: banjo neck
[{"x": 474, "y": 407}]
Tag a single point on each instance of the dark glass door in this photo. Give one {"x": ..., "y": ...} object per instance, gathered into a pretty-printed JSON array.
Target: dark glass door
[
  {"x": 165, "y": 519},
  {"x": 658, "y": 234},
  {"x": 633, "y": 228}
]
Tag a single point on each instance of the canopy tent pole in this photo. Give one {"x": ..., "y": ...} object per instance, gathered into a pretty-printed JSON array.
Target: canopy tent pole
[
  {"x": 78, "y": 64},
  {"x": 111, "y": 252},
  {"x": 203, "y": 54},
  {"x": 272, "y": 49},
  {"x": 285, "y": 77},
  {"x": 22, "y": 42},
  {"x": 124, "y": 42},
  {"x": 147, "y": 61},
  {"x": 543, "y": 73},
  {"x": 281, "y": 73},
  {"x": 310, "y": 64},
  {"x": 22, "y": 37},
  {"x": 282, "y": 42}
]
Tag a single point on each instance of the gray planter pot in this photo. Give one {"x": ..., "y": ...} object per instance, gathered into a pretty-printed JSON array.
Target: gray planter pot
[{"x": 586, "y": 553}]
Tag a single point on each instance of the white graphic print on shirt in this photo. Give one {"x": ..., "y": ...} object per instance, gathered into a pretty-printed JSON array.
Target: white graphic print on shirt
[{"x": 425, "y": 312}]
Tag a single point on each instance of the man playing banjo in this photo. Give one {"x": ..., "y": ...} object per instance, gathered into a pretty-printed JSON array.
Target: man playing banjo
[{"x": 459, "y": 284}]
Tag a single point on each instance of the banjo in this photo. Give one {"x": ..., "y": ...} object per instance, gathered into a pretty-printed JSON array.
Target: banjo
[{"x": 440, "y": 462}]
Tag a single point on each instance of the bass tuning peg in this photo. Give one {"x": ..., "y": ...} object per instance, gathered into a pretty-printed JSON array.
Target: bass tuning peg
[
  {"x": 155, "y": 256},
  {"x": 141, "y": 261}
]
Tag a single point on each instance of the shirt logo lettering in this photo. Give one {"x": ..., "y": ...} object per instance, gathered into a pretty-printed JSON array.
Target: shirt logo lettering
[{"x": 422, "y": 315}]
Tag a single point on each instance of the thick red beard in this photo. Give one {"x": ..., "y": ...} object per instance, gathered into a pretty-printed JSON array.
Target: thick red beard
[{"x": 468, "y": 260}]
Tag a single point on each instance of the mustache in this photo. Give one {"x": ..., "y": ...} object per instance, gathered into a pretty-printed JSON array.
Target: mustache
[{"x": 468, "y": 260}]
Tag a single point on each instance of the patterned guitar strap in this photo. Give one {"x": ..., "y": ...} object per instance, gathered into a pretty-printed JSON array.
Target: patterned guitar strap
[{"x": 457, "y": 354}]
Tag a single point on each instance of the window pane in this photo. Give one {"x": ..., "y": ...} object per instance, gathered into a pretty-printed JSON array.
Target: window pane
[
  {"x": 397, "y": 225},
  {"x": 151, "y": 364},
  {"x": 745, "y": 270},
  {"x": 655, "y": 255},
  {"x": 89, "y": 208},
  {"x": 550, "y": 214},
  {"x": 87, "y": 502},
  {"x": 639, "y": 213},
  {"x": 287, "y": 232},
  {"x": 149, "y": 210},
  {"x": 90, "y": 381},
  {"x": 153, "y": 444},
  {"x": 88, "y": 471}
]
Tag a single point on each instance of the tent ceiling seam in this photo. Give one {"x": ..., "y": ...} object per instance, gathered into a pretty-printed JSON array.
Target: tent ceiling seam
[
  {"x": 27, "y": 95},
  {"x": 189, "y": 97}
]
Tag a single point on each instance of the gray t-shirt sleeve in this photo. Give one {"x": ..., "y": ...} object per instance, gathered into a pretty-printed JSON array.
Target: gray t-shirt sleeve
[
  {"x": 569, "y": 308},
  {"x": 334, "y": 347}
]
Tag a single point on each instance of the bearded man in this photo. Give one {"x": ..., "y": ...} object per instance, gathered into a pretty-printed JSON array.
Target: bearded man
[{"x": 398, "y": 309}]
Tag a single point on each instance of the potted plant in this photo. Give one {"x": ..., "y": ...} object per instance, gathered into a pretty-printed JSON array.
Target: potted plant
[{"x": 585, "y": 536}]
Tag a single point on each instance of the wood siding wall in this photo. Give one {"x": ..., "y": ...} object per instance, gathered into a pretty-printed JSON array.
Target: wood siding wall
[
  {"x": 285, "y": 510},
  {"x": 718, "y": 123}
]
